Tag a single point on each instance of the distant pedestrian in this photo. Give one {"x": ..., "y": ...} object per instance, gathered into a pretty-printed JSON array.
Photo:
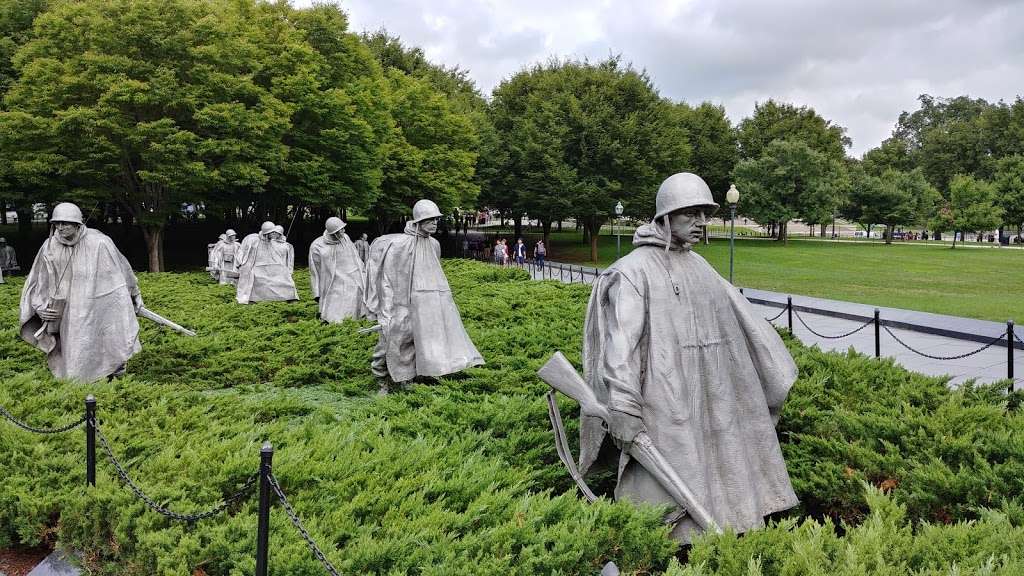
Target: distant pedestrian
[
  {"x": 499, "y": 253},
  {"x": 520, "y": 252},
  {"x": 539, "y": 253}
]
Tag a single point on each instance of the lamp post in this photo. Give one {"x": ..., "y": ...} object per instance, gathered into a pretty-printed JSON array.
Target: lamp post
[
  {"x": 618, "y": 234},
  {"x": 732, "y": 197}
]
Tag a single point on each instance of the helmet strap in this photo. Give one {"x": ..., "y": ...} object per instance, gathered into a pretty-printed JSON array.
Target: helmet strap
[{"x": 668, "y": 232}]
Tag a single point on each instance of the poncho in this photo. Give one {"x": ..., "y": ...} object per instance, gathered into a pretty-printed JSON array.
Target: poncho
[
  {"x": 667, "y": 339},
  {"x": 98, "y": 329},
  {"x": 337, "y": 277},
  {"x": 224, "y": 259},
  {"x": 407, "y": 292},
  {"x": 265, "y": 270}
]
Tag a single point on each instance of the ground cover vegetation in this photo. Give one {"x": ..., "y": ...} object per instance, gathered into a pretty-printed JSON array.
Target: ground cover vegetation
[{"x": 895, "y": 472}]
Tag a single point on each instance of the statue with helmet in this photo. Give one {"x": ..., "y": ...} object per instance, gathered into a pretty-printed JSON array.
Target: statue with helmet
[
  {"x": 419, "y": 325},
  {"x": 223, "y": 261},
  {"x": 8, "y": 258},
  {"x": 683, "y": 376},
  {"x": 80, "y": 301},
  {"x": 336, "y": 274},
  {"x": 265, "y": 262}
]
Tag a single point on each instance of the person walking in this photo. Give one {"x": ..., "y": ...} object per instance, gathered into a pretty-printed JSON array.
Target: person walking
[
  {"x": 520, "y": 253},
  {"x": 539, "y": 253}
]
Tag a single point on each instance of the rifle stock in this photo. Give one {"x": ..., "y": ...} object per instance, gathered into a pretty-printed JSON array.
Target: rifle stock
[{"x": 559, "y": 373}]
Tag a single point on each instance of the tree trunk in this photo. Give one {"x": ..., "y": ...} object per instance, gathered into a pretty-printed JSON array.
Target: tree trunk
[
  {"x": 824, "y": 228},
  {"x": 518, "y": 226},
  {"x": 593, "y": 229},
  {"x": 888, "y": 233},
  {"x": 559, "y": 226},
  {"x": 3, "y": 213},
  {"x": 154, "y": 236},
  {"x": 953, "y": 245},
  {"x": 546, "y": 227}
]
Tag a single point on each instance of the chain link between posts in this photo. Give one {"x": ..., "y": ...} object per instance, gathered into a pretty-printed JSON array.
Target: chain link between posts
[
  {"x": 298, "y": 526},
  {"x": 27, "y": 428},
  {"x": 820, "y": 335},
  {"x": 932, "y": 357},
  {"x": 249, "y": 483},
  {"x": 777, "y": 316}
]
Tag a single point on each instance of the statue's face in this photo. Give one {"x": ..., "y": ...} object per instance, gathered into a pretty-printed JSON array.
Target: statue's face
[
  {"x": 67, "y": 230},
  {"x": 229, "y": 239},
  {"x": 274, "y": 235},
  {"x": 687, "y": 225},
  {"x": 429, "y": 226},
  {"x": 337, "y": 235}
]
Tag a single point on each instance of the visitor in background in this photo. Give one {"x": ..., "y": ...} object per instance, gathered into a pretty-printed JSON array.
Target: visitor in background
[
  {"x": 499, "y": 253},
  {"x": 539, "y": 252},
  {"x": 520, "y": 252}
]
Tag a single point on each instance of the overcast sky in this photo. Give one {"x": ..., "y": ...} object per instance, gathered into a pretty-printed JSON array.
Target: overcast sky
[{"x": 858, "y": 63}]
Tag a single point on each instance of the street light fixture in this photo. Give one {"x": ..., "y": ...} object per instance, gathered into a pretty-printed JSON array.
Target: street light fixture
[
  {"x": 732, "y": 197},
  {"x": 618, "y": 235}
]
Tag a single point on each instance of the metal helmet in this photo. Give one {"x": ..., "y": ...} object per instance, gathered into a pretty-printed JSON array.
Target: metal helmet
[
  {"x": 424, "y": 210},
  {"x": 683, "y": 190},
  {"x": 3, "y": 240},
  {"x": 230, "y": 232},
  {"x": 67, "y": 212},
  {"x": 222, "y": 237},
  {"x": 279, "y": 229},
  {"x": 334, "y": 224},
  {"x": 267, "y": 227}
]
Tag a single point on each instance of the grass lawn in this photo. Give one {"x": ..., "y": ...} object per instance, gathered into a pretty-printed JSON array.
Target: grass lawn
[{"x": 971, "y": 282}]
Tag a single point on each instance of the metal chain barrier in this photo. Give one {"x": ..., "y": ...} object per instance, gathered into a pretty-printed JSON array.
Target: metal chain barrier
[
  {"x": 819, "y": 335},
  {"x": 298, "y": 525},
  {"x": 929, "y": 356},
  {"x": 27, "y": 428},
  {"x": 777, "y": 316},
  {"x": 249, "y": 483},
  {"x": 1017, "y": 337}
]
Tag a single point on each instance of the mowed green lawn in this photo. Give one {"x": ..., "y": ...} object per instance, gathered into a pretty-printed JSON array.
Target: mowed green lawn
[{"x": 974, "y": 282}]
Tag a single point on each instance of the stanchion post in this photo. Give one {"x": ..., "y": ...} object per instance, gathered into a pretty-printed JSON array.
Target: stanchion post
[
  {"x": 1009, "y": 352},
  {"x": 263, "y": 515},
  {"x": 90, "y": 440},
  {"x": 878, "y": 335},
  {"x": 789, "y": 313}
]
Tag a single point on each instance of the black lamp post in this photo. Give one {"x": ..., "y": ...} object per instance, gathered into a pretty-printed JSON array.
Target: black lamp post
[
  {"x": 732, "y": 197},
  {"x": 618, "y": 233}
]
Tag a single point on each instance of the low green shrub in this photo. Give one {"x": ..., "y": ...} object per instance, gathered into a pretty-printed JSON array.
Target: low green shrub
[{"x": 456, "y": 475}]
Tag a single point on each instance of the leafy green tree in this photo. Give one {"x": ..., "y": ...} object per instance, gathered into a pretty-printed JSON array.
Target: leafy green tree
[
  {"x": 789, "y": 179},
  {"x": 143, "y": 102},
  {"x": 1004, "y": 128},
  {"x": 892, "y": 154},
  {"x": 774, "y": 121},
  {"x": 712, "y": 139},
  {"x": 972, "y": 207},
  {"x": 1009, "y": 183},
  {"x": 893, "y": 199},
  {"x": 603, "y": 133}
]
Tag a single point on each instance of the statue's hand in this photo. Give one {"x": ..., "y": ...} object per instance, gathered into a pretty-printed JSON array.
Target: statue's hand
[
  {"x": 48, "y": 315},
  {"x": 137, "y": 300},
  {"x": 624, "y": 427}
]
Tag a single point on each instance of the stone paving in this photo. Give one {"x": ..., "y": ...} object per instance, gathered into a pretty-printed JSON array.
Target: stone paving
[{"x": 934, "y": 334}]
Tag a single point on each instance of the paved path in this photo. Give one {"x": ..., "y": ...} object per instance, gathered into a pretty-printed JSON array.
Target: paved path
[{"x": 932, "y": 334}]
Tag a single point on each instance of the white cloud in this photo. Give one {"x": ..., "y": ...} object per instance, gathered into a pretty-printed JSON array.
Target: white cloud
[{"x": 858, "y": 64}]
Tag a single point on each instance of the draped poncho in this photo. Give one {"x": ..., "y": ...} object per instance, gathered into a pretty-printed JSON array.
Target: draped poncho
[
  {"x": 98, "y": 328},
  {"x": 667, "y": 339},
  {"x": 265, "y": 270},
  {"x": 407, "y": 292},
  {"x": 337, "y": 277}
]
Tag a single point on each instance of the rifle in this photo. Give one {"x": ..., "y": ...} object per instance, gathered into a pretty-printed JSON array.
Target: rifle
[
  {"x": 560, "y": 375},
  {"x": 150, "y": 315}
]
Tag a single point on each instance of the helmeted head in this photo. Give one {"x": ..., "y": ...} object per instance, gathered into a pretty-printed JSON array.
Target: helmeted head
[
  {"x": 266, "y": 228},
  {"x": 425, "y": 210},
  {"x": 3, "y": 240},
  {"x": 364, "y": 236},
  {"x": 683, "y": 190},
  {"x": 335, "y": 225},
  {"x": 67, "y": 212},
  {"x": 222, "y": 237},
  {"x": 230, "y": 234}
]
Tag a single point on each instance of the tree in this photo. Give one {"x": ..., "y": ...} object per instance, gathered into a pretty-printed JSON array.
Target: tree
[
  {"x": 1009, "y": 187},
  {"x": 712, "y": 139},
  {"x": 895, "y": 198},
  {"x": 892, "y": 154},
  {"x": 787, "y": 180},
  {"x": 971, "y": 207},
  {"x": 590, "y": 135},
  {"x": 774, "y": 121}
]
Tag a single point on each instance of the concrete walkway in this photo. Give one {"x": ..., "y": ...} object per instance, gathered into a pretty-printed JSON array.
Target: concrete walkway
[{"x": 931, "y": 334}]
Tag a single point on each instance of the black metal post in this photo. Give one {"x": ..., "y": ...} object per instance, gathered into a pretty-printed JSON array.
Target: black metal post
[
  {"x": 1009, "y": 352},
  {"x": 732, "y": 235},
  {"x": 878, "y": 335},
  {"x": 263, "y": 515},
  {"x": 561, "y": 273},
  {"x": 90, "y": 440},
  {"x": 789, "y": 313}
]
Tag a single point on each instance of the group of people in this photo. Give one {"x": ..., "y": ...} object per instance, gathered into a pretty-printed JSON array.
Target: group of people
[
  {"x": 684, "y": 377},
  {"x": 517, "y": 254}
]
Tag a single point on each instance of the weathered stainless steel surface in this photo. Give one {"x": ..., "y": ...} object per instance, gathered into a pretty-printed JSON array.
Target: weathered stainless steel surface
[{"x": 336, "y": 274}]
